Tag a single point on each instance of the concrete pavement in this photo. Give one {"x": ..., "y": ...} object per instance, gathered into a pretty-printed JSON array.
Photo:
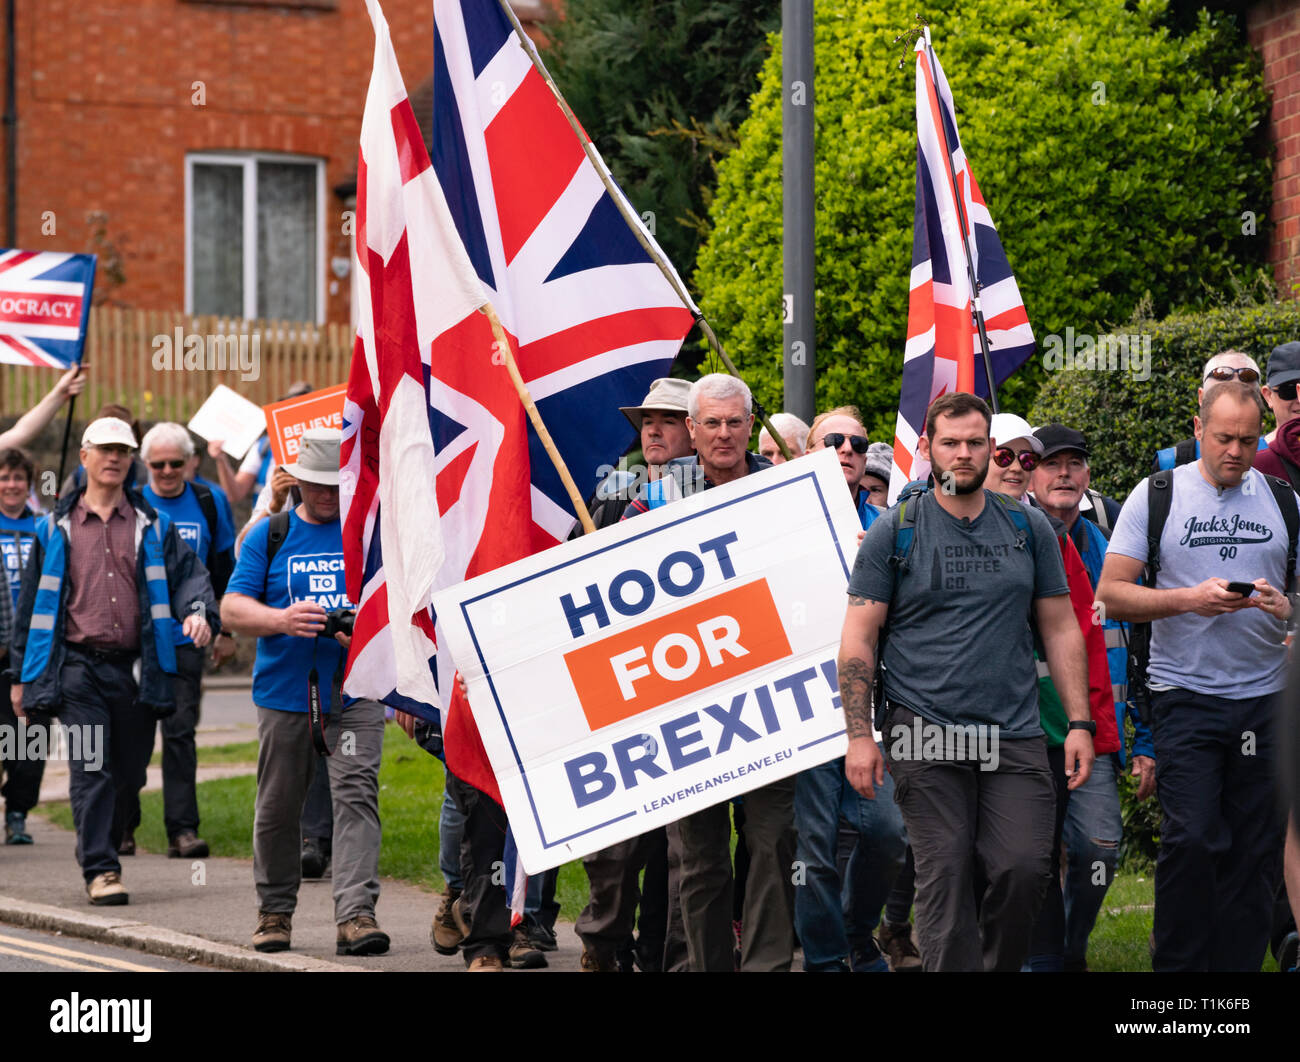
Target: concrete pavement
[{"x": 207, "y": 909}]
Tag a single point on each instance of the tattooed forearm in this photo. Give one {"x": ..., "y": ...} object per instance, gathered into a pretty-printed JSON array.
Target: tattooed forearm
[{"x": 856, "y": 678}]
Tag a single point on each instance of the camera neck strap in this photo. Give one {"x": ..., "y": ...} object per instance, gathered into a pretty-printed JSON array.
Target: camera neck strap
[{"x": 316, "y": 721}]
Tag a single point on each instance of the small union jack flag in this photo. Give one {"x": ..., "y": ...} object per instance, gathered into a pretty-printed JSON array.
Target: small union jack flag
[
  {"x": 943, "y": 350},
  {"x": 44, "y": 307}
]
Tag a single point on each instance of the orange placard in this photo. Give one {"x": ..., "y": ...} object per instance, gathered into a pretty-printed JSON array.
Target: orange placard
[
  {"x": 287, "y": 420},
  {"x": 677, "y": 654}
]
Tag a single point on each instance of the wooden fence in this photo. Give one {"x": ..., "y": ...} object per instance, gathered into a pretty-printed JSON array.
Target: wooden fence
[{"x": 134, "y": 358}]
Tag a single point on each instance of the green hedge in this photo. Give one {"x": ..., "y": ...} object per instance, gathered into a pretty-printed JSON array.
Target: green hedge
[
  {"x": 1117, "y": 160},
  {"x": 1127, "y": 419}
]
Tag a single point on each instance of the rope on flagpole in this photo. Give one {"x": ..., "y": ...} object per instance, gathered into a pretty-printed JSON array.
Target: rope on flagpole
[
  {"x": 508, "y": 358},
  {"x": 976, "y": 311},
  {"x": 633, "y": 222}
]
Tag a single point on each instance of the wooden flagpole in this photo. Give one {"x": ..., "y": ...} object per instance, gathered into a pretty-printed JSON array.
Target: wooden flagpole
[
  {"x": 508, "y": 358},
  {"x": 633, "y": 222}
]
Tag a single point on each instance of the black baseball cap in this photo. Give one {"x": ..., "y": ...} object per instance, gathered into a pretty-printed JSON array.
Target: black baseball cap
[
  {"x": 1057, "y": 437},
  {"x": 1284, "y": 364}
]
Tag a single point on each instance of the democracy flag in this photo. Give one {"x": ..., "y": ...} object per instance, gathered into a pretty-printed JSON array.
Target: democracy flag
[
  {"x": 44, "y": 307},
  {"x": 943, "y": 350}
]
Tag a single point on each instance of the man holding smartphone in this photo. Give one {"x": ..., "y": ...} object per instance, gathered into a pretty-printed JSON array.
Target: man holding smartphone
[{"x": 1217, "y": 663}]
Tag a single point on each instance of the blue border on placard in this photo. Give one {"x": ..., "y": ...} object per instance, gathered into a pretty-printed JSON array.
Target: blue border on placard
[{"x": 496, "y": 700}]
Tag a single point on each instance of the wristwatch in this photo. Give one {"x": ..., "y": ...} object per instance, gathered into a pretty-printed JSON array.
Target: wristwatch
[{"x": 1083, "y": 724}]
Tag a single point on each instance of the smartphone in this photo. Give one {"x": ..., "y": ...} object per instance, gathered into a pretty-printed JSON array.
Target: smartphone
[{"x": 1245, "y": 589}]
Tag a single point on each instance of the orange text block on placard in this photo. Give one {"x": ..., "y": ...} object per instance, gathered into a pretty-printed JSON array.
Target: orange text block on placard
[
  {"x": 287, "y": 420},
  {"x": 678, "y": 654}
]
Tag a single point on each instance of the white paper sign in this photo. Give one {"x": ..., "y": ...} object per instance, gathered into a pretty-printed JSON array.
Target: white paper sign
[
  {"x": 663, "y": 665},
  {"x": 229, "y": 416}
]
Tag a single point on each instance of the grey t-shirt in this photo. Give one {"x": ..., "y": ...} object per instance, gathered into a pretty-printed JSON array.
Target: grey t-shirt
[
  {"x": 958, "y": 644},
  {"x": 1237, "y": 534}
]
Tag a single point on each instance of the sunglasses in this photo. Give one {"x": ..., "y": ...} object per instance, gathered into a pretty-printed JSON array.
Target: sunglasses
[
  {"x": 1285, "y": 391},
  {"x": 158, "y": 466},
  {"x": 1004, "y": 455},
  {"x": 833, "y": 440},
  {"x": 1223, "y": 372}
]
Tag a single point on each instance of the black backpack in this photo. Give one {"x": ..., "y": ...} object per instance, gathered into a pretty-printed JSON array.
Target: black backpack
[
  {"x": 220, "y": 565},
  {"x": 1160, "y": 497}
]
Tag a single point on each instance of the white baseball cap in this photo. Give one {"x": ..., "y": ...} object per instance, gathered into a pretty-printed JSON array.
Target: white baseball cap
[
  {"x": 109, "y": 431},
  {"x": 1007, "y": 426}
]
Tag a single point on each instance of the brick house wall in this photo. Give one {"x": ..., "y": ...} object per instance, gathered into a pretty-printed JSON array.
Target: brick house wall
[
  {"x": 1273, "y": 29},
  {"x": 107, "y": 112}
]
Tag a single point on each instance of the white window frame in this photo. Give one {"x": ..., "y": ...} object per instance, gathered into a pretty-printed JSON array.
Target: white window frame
[{"x": 247, "y": 161}]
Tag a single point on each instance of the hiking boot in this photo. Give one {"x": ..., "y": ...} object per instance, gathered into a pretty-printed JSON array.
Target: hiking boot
[
  {"x": 314, "y": 859},
  {"x": 272, "y": 932},
  {"x": 187, "y": 845},
  {"x": 867, "y": 958},
  {"x": 458, "y": 916},
  {"x": 488, "y": 963},
  {"x": 543, "y": 939},
  {"x": 106, "y": 890},
  {"x": 896, "y": 942},
  {"x": 361, "y": 936},
  {"x": 523, "y": 954},
  {"x": 127, "y": 847},
  {"x": 595, "y": 962},
  {"x": 445, "y": 935},
  {"x": 16, "y": 828}
]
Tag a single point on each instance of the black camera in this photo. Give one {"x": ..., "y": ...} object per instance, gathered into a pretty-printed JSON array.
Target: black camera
[{"x": 338, "y": 622}]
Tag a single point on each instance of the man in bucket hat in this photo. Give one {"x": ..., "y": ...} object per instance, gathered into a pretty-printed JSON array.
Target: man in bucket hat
[{"x": 288, "y": 590}]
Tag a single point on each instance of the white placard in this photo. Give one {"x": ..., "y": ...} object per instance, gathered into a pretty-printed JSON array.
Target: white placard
[
  {"x": 229, "y": 416},
  {"x": 660, "y": 666}
]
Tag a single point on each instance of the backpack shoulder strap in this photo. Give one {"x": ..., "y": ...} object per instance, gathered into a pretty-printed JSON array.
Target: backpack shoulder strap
[
  {"x": 278, "y": 531},
  {"x": 1284, "y": 495},
  {"x": 1160, "y": 499},
  {"x": 1185, "y": 452},
  {"x": 1018, "y": 517},
  {"x": 209, "y": 506},
  {"x": 1099, "y": 507}
]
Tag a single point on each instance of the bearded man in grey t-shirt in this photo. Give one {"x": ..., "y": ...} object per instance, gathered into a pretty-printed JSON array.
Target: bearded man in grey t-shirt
[
  {"x": 961, "y": 729},
  {"x": 1218, "y": 661}
]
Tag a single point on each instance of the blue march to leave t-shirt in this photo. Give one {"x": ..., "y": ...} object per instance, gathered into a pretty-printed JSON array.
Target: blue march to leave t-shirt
[
  {"x": 16, "y": 537},
  {"x": 307, "y": 567},
  {"x": 192, "y": 526}
]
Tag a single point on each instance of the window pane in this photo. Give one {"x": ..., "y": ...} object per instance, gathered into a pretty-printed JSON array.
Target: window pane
[
  {"x": 218, "y": 239},
  {"x": 286, "y": 240}
]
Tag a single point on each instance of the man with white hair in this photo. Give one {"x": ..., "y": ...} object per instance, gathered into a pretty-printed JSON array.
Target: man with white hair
[
  {"x": 166, "y": 450},
  {"x": 720, "y": 419},
  {"x": 108, "y": 583},
  {"x": 1226, "y": 365},
  {"x": 792, "y": 430}
]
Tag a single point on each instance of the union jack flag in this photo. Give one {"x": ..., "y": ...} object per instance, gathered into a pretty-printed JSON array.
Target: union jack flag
[
  {"x": 943, "y": 343},
  {"x": 44, "y": 306},
  {"x": 444, "y": 477}
]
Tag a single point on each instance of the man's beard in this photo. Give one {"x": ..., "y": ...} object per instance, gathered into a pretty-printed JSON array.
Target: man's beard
[{"x": 976, "y": 484}]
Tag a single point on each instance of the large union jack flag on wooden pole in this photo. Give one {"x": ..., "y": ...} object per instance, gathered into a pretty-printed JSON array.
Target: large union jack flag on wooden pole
[
  {"x": 965, "y": 316},
  {"x": 44, "y": 307},
  {"x": 444, "y": 477}
]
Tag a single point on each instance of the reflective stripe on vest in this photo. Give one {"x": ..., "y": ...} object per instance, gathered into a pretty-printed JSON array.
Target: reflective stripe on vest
[
  {"x": 45, "y": 611},
  {"x": 160, "y": 607}
]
